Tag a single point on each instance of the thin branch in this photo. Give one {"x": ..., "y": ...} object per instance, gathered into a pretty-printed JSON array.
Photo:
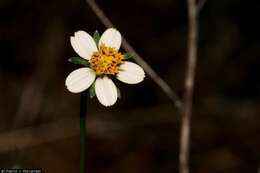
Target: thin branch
[
  {"x": 156, "y": 78},
  {"x": 189, "y": 86},
  {"x": 200, "y": 6}
]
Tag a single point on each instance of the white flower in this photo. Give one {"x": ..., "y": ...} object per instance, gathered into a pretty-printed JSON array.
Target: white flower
[{"x": 105, "y": 61}]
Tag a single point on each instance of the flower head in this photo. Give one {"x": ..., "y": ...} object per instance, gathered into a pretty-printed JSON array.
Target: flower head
[
  {"x": 106, "y": 60},
  {"x": 103, "y": 62}
]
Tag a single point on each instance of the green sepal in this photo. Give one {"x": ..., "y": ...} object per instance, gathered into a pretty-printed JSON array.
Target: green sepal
[
  {"x": 128, "y": 56},
  {"x": 79, "y": 60},
  {"x": 92, "y": 92},
  {"x": 118, "y": 93},
  {"x": 96, "y": 37}
]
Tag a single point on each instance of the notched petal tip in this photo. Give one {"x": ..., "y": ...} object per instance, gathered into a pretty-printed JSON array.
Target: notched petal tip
[
  {"x": 106, "y": 91},
  {"x": 72, "y": 91},
  {"x": 80, "y": 33},
  {"x": 131, "y": 73},
  {"x": 80, "y": 80},
  {"x": 111, "y": 38},
  {"x": 83, "y": 44}
]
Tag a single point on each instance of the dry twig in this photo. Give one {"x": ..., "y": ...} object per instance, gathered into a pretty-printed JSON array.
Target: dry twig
[
  {"x": 189, "y": 85},
  {"x": 140, "y": 60}
]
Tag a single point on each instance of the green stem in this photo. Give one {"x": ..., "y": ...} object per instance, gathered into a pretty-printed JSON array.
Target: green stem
[{"x": 83, "y": 113}]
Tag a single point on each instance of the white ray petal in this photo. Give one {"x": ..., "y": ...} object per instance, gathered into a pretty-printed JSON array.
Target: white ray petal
[
  {"x": 80, "y": 79},
  {"x": 130, "y": 73},
  {"x": 106, "y": 91},
  {"x": 83, "y": 44},
  {"x": 111, "y": 38}
]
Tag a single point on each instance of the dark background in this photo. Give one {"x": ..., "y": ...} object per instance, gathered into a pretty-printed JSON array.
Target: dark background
[{"x": 140, "y": 134}]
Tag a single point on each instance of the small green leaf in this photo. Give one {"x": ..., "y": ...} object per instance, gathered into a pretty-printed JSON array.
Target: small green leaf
[
  {"x": 92, "y": 92},
  {"x": 128, "y": 55},
  {"x": 118, "y": 93},
  {"x": 96, "y": 37},
  {"x": 78, "y": 60}
]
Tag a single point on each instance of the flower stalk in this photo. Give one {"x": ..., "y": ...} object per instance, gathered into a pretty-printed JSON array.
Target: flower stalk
[{"x": 83, "y": 113}]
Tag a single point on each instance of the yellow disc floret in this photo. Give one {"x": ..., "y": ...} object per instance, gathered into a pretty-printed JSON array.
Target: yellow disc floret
[{"x": 106, "y": 60}]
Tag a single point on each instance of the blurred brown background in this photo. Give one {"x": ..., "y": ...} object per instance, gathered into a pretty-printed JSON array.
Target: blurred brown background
[{"x": 140, "y": 134}]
